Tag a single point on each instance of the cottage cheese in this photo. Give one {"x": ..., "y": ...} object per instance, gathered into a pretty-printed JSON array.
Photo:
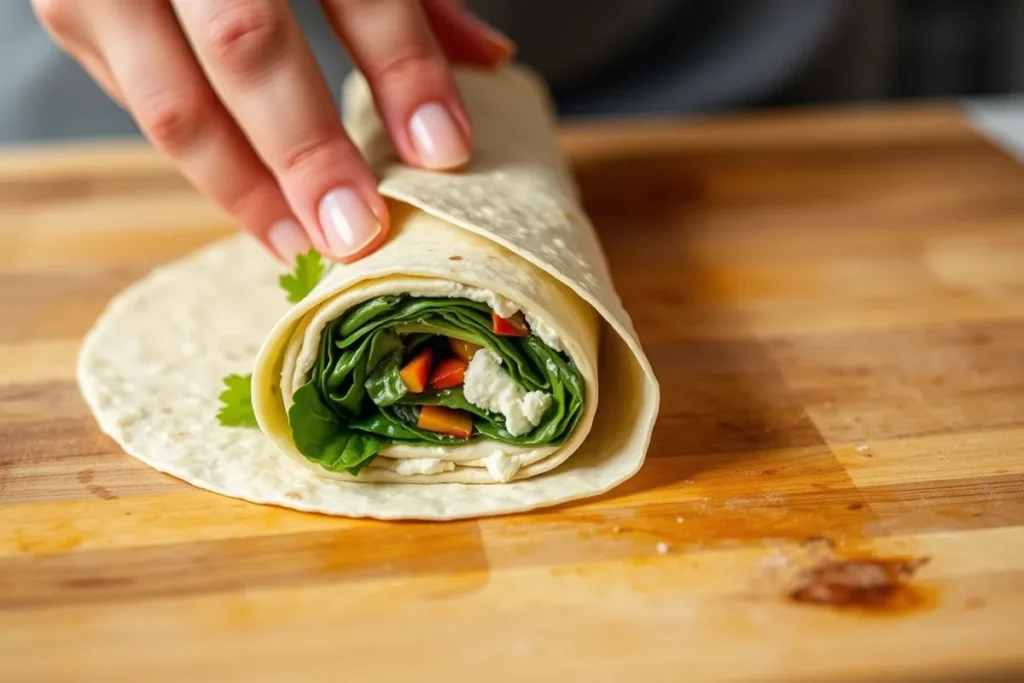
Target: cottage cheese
[{"x": 489, "y": 387}]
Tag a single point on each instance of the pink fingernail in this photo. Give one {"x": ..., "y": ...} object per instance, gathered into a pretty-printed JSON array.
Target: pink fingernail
[
  {"x": 288, "y": 239},
  {"x": 438, "y": 141},
  {"x": 347, "y": 222}
]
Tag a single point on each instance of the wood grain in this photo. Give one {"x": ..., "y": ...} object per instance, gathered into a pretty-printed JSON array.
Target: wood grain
[{"x": 834, "y": 302}]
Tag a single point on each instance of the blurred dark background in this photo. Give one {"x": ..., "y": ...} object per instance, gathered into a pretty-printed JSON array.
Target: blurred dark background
[
  {"x": 733, "y": 54},
  {"x": 629, "y": 57}
]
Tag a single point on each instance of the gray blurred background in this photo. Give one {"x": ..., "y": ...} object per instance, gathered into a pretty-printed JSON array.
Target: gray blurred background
[{"x": 628, "y": 58}]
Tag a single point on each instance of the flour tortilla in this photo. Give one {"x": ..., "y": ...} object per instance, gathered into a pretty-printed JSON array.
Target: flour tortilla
[{"x": 151, "y": 367}]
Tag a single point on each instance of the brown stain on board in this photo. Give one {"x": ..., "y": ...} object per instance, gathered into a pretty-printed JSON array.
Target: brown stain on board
[
  {"x": 101, "y": 492},
  {"x": 860, "y": 583},
  {"x": 85, "y": 478},
  {"x": 846, "y": 578}
]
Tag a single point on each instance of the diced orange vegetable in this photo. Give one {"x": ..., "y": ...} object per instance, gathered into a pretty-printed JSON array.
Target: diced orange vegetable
[
  {"x": 446, "y": 421},
  {"x": 417, "y": 371},
  {"x": 449, "y": 373},
  {"x": 463, "y": 349},
  {"x": 509, "y": 327}
]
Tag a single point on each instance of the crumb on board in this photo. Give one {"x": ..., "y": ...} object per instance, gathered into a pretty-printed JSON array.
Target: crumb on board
[
  {"x": 617, "y": 529},
  {"x": 863, "y": 448},
  {"x": 663, "y": 548},
  {"x": 679, "y": 520}
]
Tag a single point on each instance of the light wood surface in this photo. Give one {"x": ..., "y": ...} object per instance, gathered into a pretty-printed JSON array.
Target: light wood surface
[{"x": 834, "y": 302}]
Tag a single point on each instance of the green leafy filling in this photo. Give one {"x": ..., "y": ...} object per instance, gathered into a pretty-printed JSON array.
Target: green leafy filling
[{"x": 356, "y": 402}]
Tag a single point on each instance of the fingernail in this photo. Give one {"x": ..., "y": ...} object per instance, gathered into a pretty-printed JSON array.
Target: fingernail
[
  {"x": 288, "y": 239},
  {"x": 438, "y": 141},
  {"x": 347, "y": 222}
]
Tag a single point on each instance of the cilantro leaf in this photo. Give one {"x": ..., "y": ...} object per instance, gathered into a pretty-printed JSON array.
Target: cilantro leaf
[
  {"x": 236, "y": 402},
  {"x": 309, "y": 268}
]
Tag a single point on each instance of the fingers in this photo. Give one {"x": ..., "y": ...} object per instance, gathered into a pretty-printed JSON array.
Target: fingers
[
  {"x": 258, "y": 62},
  {"x": 393, "y": 45},
  {"x": 230, "y": 90},
  {"x": 163, "y": 86}
]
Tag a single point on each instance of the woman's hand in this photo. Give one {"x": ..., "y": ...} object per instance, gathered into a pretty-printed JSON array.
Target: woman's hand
[{"x": 231, "y": 91}]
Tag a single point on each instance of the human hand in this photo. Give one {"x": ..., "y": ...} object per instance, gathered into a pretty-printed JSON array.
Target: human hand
[{"x": 231, "y": 91}]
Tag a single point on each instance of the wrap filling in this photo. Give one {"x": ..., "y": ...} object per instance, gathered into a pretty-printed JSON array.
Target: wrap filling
[{"x": 429, "y": 372}]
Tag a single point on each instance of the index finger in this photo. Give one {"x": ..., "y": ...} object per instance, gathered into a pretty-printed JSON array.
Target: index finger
[{"x": 257, "y": 60}]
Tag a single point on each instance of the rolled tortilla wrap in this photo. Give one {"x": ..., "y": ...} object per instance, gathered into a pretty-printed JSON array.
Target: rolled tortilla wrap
[
  {"x": 505, "y": 234},
  {"x": 429, "y": 277},
  {"x": 508, "y": 236}
]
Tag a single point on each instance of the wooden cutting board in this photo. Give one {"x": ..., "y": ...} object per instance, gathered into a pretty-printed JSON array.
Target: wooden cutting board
[{"x": 834, "y": 303}]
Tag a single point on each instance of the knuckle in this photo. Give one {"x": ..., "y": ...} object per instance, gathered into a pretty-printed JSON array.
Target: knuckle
[
  {"x": 313, "y": 154},
  {"x": 173, "y": 121},
  {"x": 246, "y": 37},
  {"x": 248, "y": 202},
  {"x": 57, "y": 15},
  {"x": 406, "y": 65}
]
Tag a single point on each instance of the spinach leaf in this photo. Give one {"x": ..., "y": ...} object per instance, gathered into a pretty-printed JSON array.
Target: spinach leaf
[
  {"x": 322, "y": 438},
  {"x": 385, "y": 385}
]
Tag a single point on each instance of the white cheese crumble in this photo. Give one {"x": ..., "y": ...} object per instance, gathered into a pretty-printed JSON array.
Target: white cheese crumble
[
  {"x": 408, "y": 466},
  {"x": 502, "y": 466},
  {"x": 546, "y": 333},
  {"x": 535, "y": 404},
  {"x": 489, "y": 387}
]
